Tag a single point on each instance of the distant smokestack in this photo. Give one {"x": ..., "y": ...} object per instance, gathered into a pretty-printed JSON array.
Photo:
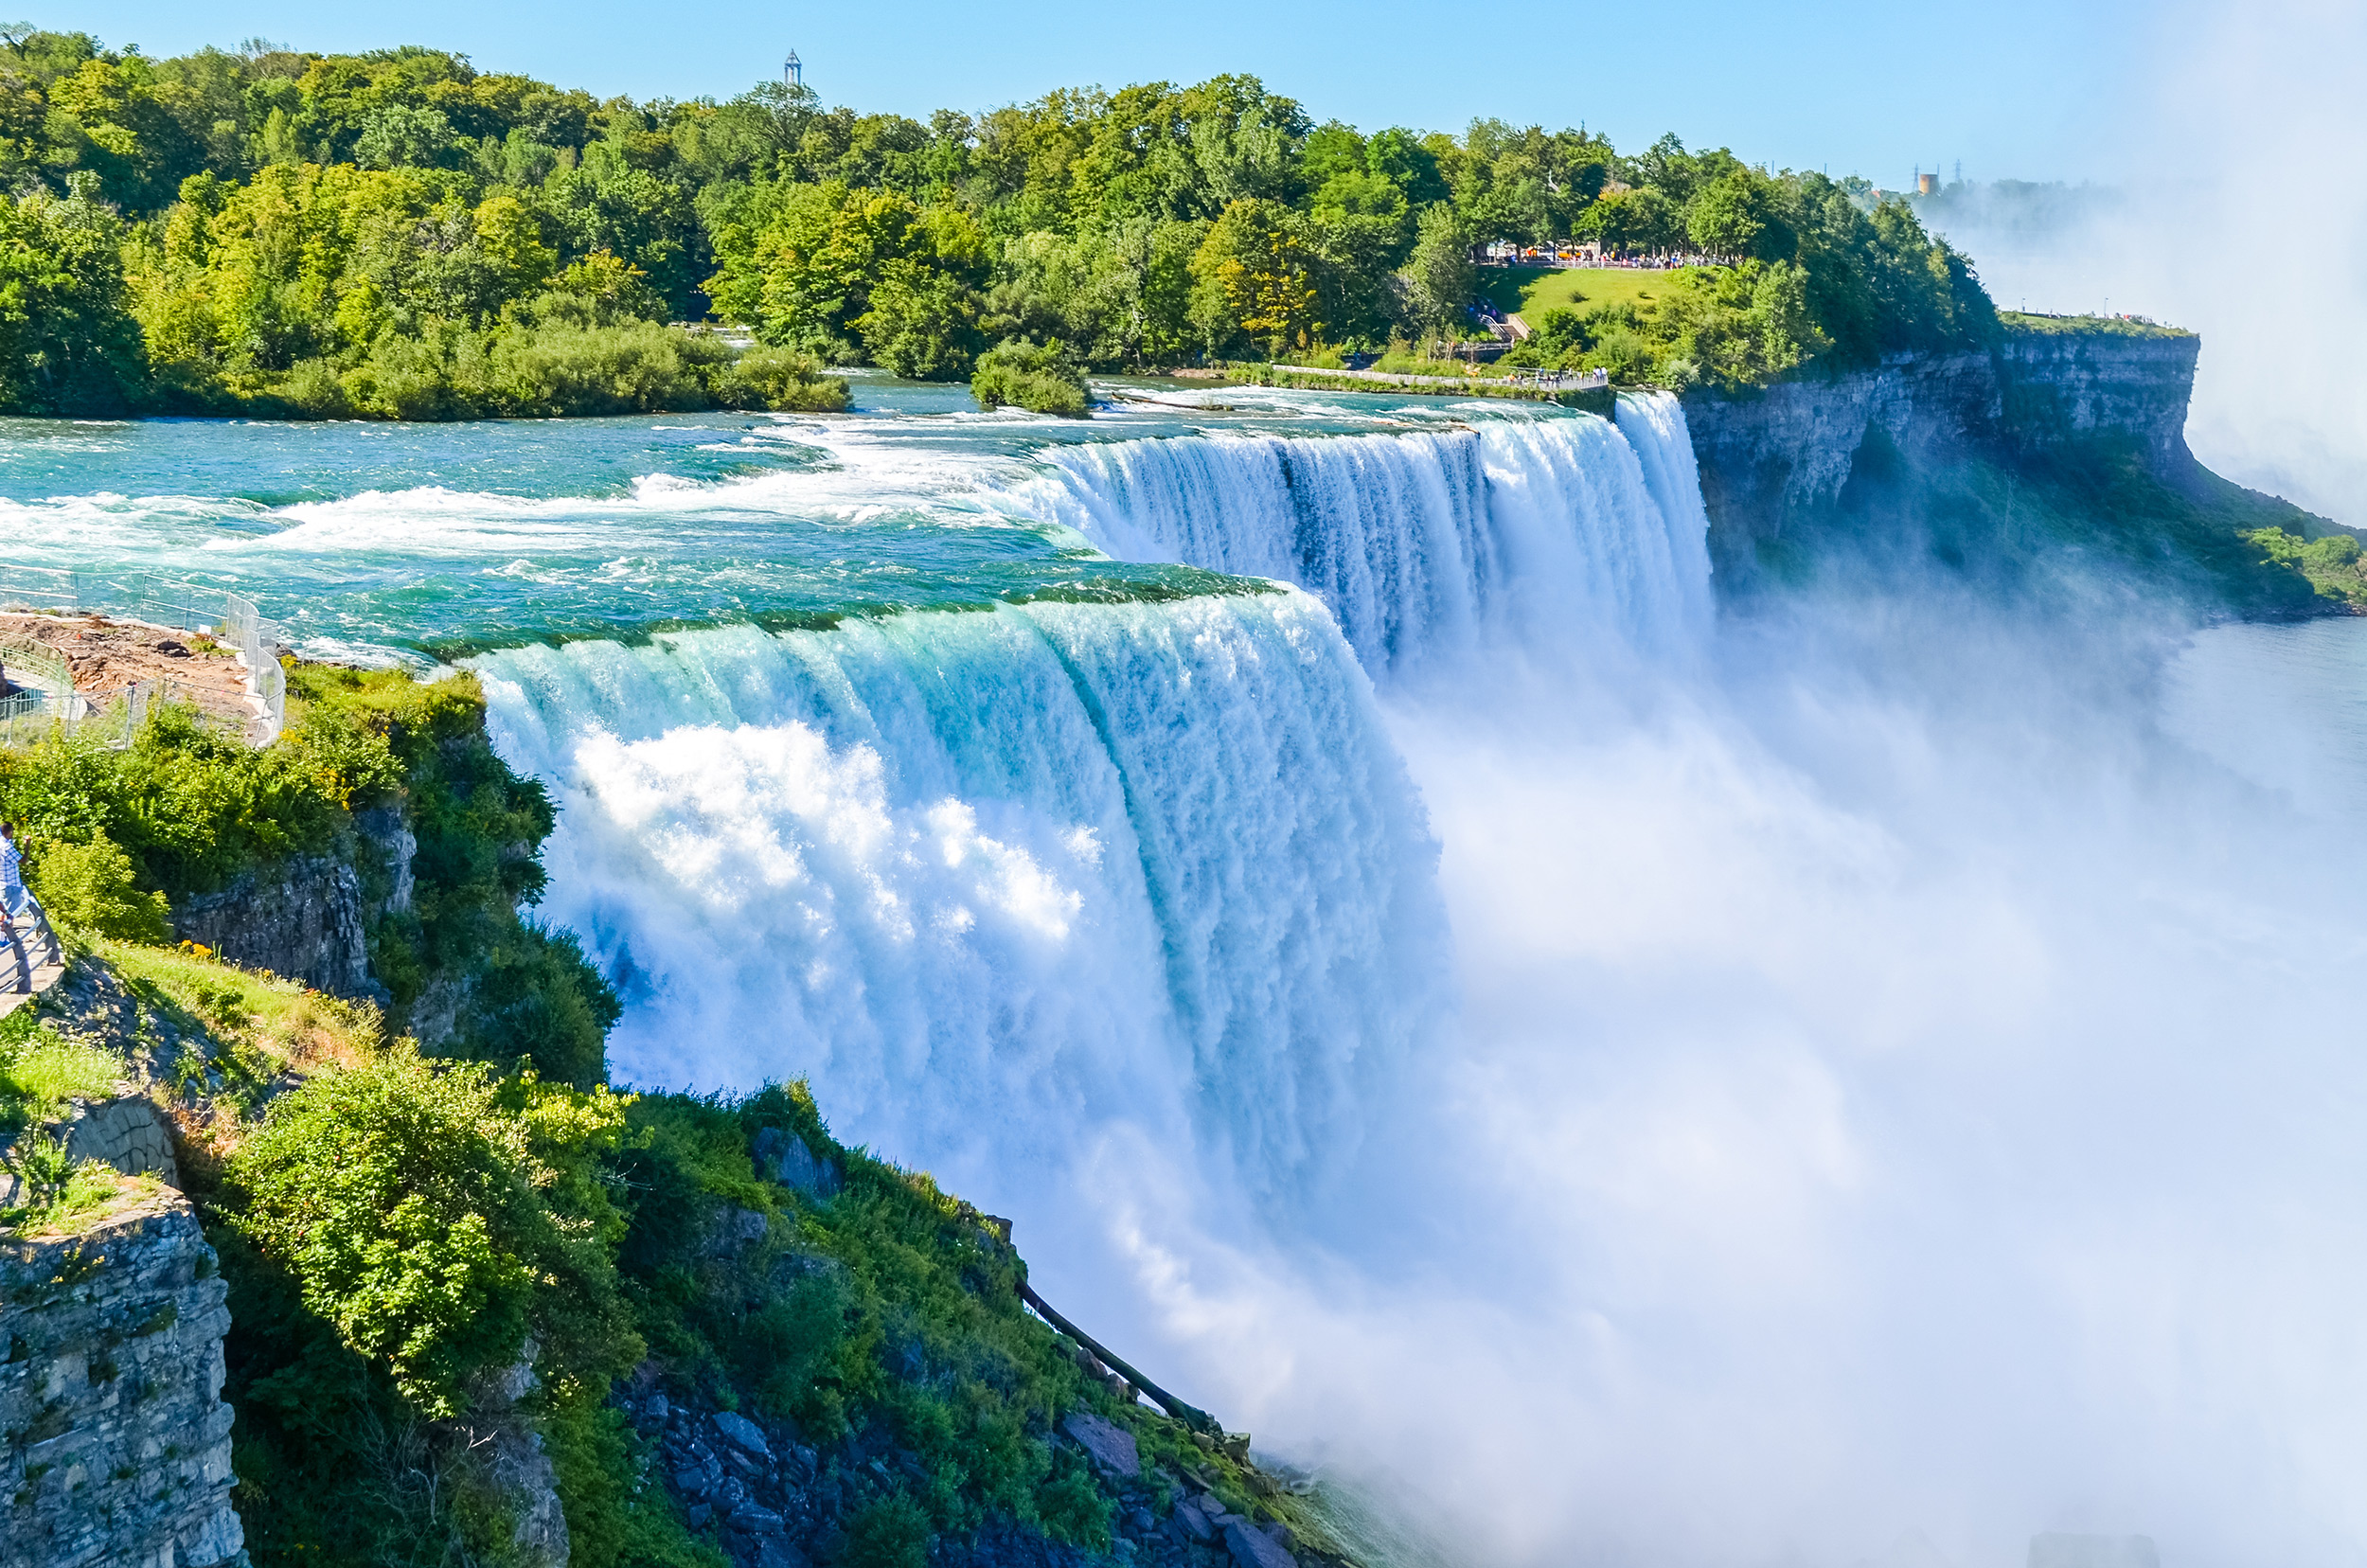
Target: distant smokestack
[{"x": 1926, "y": 183}]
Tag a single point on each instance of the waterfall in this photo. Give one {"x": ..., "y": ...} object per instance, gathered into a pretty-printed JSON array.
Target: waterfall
[
  {"x": 1153, "y": 863},
  {"x": 1043, "y": 864},
  {"x": 1523, "y": 529}
]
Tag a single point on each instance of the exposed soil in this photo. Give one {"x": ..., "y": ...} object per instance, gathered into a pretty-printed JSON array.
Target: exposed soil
[{"x": 107, "y": 655}]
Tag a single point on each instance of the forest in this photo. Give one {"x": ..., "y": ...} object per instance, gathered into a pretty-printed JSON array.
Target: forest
[{"x": 398, "y": 234}]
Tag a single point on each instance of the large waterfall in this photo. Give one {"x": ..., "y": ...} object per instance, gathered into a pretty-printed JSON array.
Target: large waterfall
[
  {"x": 1154, "y": 862},
  {"x": 1532, "y": 530}
]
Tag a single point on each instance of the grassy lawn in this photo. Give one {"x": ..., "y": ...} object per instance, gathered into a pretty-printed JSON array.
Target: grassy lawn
[{"x": 1533, "y": 291}]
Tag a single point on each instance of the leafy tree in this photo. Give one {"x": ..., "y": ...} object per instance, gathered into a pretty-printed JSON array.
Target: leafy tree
[
  {"x": 69, "y": 344},
  {"x": 1438, "y": 278}
]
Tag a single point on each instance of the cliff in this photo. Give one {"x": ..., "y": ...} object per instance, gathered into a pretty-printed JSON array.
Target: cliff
[
  {"x": 117, "y": 1444},
  {"x": 2052, "y": 450}
]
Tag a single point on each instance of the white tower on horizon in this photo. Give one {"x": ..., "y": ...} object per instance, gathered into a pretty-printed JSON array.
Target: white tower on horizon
[{"x": 793, "y": 73}]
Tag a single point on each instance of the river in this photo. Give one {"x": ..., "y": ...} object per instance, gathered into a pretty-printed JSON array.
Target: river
[{"x": 1860, "y": 1079}]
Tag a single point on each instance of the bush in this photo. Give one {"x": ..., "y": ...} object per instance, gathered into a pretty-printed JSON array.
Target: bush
[
  {"x": 1045, "y": 378},
  {"x": 410, "y": 1205},
  {"x": 782, "y": 379},
  {"x": 891, "y": 1533},
  {"x": 91, "y": 887},
  {"x": 638, "y": 367}
]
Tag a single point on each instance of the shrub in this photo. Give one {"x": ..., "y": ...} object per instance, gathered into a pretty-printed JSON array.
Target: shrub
[
  {"x": 634, "y": 368},
  {"x": 891, "y": 1533},
  {"x": 1044, "y": 379},
  {"x": 91, "y": 887},
  {"x": 406, "y": 1201},
  {"x": 783, "y": 380}
]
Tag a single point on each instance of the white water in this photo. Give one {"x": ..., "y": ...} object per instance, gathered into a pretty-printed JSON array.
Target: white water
[
  {"x": 1882, "y": 1096},
  {"x": 993, "y": 878},
  {"x": 1527, "y": 533}
]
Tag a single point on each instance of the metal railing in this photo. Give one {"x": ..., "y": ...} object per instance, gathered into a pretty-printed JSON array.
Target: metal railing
[
  {"x": 257, "y": 645},
  {"x": 158, "y": 601},
  {"x": 109, "y": 718}
]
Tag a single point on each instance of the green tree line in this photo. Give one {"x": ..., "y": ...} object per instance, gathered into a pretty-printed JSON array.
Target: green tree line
[{"x": 398, "y": 234}]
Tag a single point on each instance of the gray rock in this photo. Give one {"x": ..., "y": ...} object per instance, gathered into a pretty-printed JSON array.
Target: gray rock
[
  {"x": 1253, "y": 1548},
  {"x": 780, "y": 1554},
  {"x": 735, "y": 1228},
  {"x": 751, "y": 1519},
  {"x": 656, "y": 1408},
  {"x": 742, "y": 1434},
  {"x": 691, "y": 1482},
  {"x": 699, "y": 1513},
  {"x": 1108, "y": 1445},
  {"x": 301, "y": 920},
  {"x": 786, "y": 1158},
  {"x": 1194, "y": 1519},
  {"x": 140, "y": 1465},
  {"x": 523, "y": 1472}
]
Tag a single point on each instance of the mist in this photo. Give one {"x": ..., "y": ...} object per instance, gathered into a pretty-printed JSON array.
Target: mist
[
  {"x": 2240, "y": 214},
  {"x": 1904, "y": 1100}
]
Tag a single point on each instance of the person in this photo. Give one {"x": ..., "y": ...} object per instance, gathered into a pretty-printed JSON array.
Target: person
[{"x": 20, "y": 909}]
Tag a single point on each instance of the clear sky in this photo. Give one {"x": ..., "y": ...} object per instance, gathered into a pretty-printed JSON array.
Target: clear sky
[{"x": 2015, "y": 88}]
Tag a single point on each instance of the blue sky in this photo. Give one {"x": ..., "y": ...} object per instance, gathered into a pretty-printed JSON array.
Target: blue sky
[{"x": 2015, "y": 88}]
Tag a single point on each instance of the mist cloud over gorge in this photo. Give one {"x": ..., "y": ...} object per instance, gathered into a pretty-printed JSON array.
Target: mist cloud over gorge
[
  {"x": 2239, "y": 213},
  {"x": 1898, "y": 1089}
]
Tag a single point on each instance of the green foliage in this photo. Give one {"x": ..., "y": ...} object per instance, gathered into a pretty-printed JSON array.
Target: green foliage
[
  {"x": 891, "y": 1533},
  {"x": 397, "y": 235},
  {"x": 90, "y": 888},
  {"x": 2330, "y": 562},
  {"x": 409, "y": 1205},
  {"x": 41, "y": 1069},
  {"x": 53, "y": 1187},
  {"x": 69, "y": 344},
  {"x": 782, "y": 379},
  {"x": 1042, "y": 378}
]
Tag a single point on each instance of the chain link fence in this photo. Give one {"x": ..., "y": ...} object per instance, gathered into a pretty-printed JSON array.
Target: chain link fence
[{"x": 113, "y": 717}]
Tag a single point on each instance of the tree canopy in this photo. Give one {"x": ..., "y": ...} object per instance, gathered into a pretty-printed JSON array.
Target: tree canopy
[{"x": 399, "y": 233}]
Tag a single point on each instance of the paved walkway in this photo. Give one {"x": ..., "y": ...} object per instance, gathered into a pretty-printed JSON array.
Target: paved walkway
[
  {"x": 1578, "y": 382},
  {"x": 44, "y": 976}
]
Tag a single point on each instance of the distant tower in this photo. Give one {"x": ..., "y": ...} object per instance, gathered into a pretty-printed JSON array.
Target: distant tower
[
  {"x": 793, "y": 73},
  {"x": 1960, "y": 171}
]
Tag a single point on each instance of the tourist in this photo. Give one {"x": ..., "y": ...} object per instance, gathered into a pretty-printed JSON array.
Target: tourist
[{"x": 18, "y": 909}]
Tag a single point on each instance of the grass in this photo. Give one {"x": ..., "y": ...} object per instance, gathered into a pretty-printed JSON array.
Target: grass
[
  {"x": 41, "y": 1069},
  {"x": 2017, "y": 321},
  {"x": 70, "y": 1198},
  {"x": 1533, "y": 291},
  {"x": 282, "y": 1021}
]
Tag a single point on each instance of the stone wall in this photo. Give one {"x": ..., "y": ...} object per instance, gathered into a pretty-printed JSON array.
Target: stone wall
[
  {"x": 115, "y": 1444},
  {"x": 1769, "y": 455}
]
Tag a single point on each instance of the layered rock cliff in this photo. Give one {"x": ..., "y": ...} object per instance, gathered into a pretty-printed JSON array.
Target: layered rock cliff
[
  {"x": 2049, "y": 443},
  {"x": 115, "y": 1443}
]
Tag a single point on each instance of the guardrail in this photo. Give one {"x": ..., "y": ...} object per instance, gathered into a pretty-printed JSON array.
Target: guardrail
[
  {"x": 159, "y": 602},
  {"x": 111, "y": 719}
]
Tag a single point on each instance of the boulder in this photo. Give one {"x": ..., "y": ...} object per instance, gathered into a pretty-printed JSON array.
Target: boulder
[
  {"x": 1108, "y": 1444},
  {"x": 742, "y": 1435},
  {"x": 1253, "y": 1548},
  {"x": 785, "y": 1157}
]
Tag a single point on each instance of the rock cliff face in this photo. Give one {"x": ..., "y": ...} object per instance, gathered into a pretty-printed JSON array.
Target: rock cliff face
[
  {"x": 1769, "y": 457},
  {"x": 116, "y": 1442},
  {"x": 302, "y": 921}
]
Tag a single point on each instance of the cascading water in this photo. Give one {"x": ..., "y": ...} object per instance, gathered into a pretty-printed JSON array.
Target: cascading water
[
  {"x": 1527, "y": 530},
  {"x": 1152, "y": 863}
]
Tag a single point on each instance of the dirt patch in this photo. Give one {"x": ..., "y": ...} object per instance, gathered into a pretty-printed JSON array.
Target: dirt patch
[{"x": 104, "y": 656}]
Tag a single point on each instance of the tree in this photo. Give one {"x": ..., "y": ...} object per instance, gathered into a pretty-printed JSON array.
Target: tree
[
  {"x": 1437, "y": 278},
  {"x": 69, "y": 344}
]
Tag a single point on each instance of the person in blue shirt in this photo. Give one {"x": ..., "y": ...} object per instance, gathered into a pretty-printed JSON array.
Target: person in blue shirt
[{"x": 19, "y": 910}]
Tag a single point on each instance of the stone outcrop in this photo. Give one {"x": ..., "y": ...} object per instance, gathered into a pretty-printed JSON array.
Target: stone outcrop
[
  {"x": 302, "y": 920},
  {"x": 1771, "y": 455},
  {"x": 115, "y": 1444}
]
